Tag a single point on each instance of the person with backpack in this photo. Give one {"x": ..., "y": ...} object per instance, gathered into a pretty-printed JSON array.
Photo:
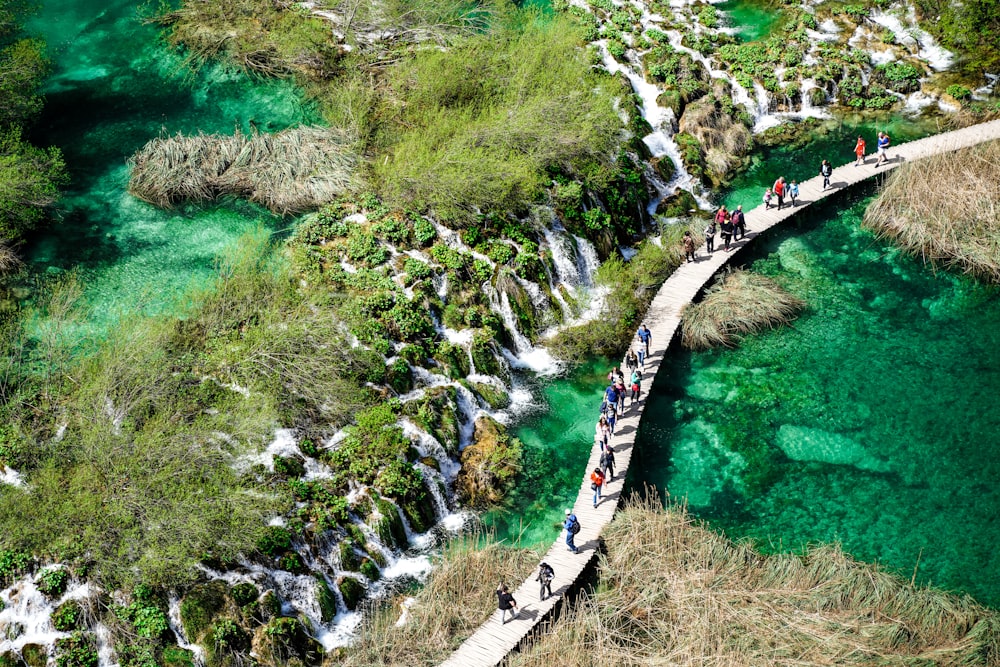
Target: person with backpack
[
  {"x": 596, "y": 484},
  {"x": 859, "y": 150},
  {"x": 710, "y": 236},
  {"x": 545, "y": 576},
  {"x": 687, "y": 241},
  {"x": 505, "y": 603},
  {"x": 608, "y": 463},
  {"x": 739, "y": 222},
  {"x": 883, "y": 149},
  {"x": 793, "y": 192},
  {"x": 602, "y": 431},
  {"x": 826, "y": 171},
  {"x": 636, "y": 386},
  {"x": 572, "y": 527},
  {"x": 645, "y": 337}
]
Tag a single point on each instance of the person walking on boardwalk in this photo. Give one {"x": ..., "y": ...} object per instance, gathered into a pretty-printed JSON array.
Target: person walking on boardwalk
[
  {"x": 859, "y": 150},
  {"x": 767, "y": 199},
  {"x": 545, "y": 576},
  {"x": 826, "y": 171},
  {"x": 631, "y": 361},
  {"x": 645, "y": 337},
  {"x": 505, "y": 603},
  {"x": 572, "y": 527},
  {"x": 602, "y": 431},
  {"x": 608, "y": 463},
  {"x": 688, "y": 242},
  {"x": 596, "y": 484},
  {"x": 727, "y": 232},
  {"x": 613, "y": 416},
  {"x": 710, "y": 236},
  {"x": 621, "y": 391},
  {"x": 739, "y": 223},
  {"x": 636, "y": 386},
  {"x": 883, "y": 149},
  {"x": 793, "y": 192},
  {"x": 610, "y": 398},
  {"x": 779, "y": 191}
]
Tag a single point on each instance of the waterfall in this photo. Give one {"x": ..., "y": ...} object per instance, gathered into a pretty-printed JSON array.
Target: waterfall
[
  {"x": 26, "y": 617},
  {"x": 174, "y": 618}
]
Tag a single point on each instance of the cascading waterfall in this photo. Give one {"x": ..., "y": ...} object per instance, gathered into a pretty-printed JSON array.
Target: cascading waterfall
[{"x": 177, "y": 627}]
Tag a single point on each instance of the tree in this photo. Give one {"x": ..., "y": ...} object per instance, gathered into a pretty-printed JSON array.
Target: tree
[{"x": 29, "y": 181}]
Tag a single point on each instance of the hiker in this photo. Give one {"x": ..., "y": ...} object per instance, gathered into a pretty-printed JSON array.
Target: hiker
[
  {"x": 615, "y": 373},
  {"x": 613, "y": 414},
  {"x": 610, "y": 397},
  {"x": 505, "y": 603},
  {"x": 631, "y": 360},
  {"x": 720, "y": 215},
  {"x": 859, "y": 150},
  {"x": 636, "y": 383},
  {"x": 779, "y": 191},
  {"x": 608, "y": 463},
  {"x": 572, "y": 527},
  {"x": 597, "y": 483},
  {"x": 602, "y": 431},
  {"x": 545, "y": 575},
  {"x": 793, "y": 192},
  {"x": 767, "y": 199},
  {"x": 710, "y": 236},
  {"x": 739, "y": 222},
  {"x": 688, "y": 242},
  {"x": 621, "y": 391},
  {"x": 727, "y": 232},
  {"x": 826, "y": 171},
  {"x": 645, "y": 337},
  {"x": 883, "y": 149}
]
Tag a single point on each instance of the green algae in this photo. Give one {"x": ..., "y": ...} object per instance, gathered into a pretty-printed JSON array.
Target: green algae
[{"x": 868, "y": 423}]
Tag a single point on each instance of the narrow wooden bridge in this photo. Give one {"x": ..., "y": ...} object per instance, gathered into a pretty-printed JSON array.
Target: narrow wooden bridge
[{"x": 493, "y": 641}]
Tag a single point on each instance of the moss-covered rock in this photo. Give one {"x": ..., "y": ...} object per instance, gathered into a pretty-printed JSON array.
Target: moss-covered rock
[
  {"x": 495, "y": 396},
  {"x": 289, "y": 466},
  {"x": 67, "y": 616},
  {"x": 175, "y": 656},
  {"x": 77, "y": 650},
  {"x": 10, "y": 659},
  {"x": 35, "y": 655},
  {"x": 352, "y": 590},
  {"x": 437, "y": 413},
  {"x": 453, "y": 359},
  {"x": 200, "y": 606},
  {"x": 267, "y": 607},
  {"x": 419, "y": 511},
  {"x": 285, "y": 642},
  {"x": 327, "y": 600},
  {"x": 388, "y": 525},
  {"x": 349, "y": 558},
  {"x": 370, "y": 569},
  {"x": 226, "y": 644},
  {"x": 664, "y": 166},
  {"x": 489, "y": 464},
  {"x": 486, "y": 355},
  {"x": 399, "y": 376},
  {"x": 677, "y": 205}
]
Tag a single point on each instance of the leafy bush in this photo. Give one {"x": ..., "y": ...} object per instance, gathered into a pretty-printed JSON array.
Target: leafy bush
[
  {"x": 53, "y": 581},
  {"x": 77, "y": 650},
  {"x": 67, "y": 616},
  {"x": 274, "y": 541},
  {"x": 958, "y": 92}
]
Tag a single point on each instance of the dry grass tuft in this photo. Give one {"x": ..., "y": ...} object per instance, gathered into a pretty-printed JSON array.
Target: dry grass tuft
[
  {"x": 287, "y": 172},
  {"x": 674, "y": 593},
  {"x": 458, "y": 598},
  {"x": 9, "y": 261},
  {"x": 946, "y": 209},
  {"x": 739, "y": 303}
]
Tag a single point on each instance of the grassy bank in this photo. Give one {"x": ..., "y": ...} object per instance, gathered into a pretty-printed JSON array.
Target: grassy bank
[
  {"x": 672, "y": 592},
  {"x": 954, "y": 221}
]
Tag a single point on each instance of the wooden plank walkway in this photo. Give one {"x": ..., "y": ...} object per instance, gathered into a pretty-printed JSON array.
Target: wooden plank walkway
[{"x": 493, "y": 641}]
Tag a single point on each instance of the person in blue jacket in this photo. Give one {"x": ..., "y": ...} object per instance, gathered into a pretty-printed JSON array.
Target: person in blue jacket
[
  {"x": 572, "y": 527},
  {"x": 645, "y": 337}
]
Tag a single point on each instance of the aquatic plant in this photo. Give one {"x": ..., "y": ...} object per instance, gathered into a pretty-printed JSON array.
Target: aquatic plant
[
  {"x": 287, "y": 172},
  {"x": 941, "y": 228},
  {"x": 737, "y": 304}
]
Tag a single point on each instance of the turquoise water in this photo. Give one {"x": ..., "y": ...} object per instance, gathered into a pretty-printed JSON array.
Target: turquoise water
[
  {"x": 869, "y": 422},
  {"x": 752, "y": 20},
  {"x": 558, "y": 434},
  {"x": 114, "y": 87}
]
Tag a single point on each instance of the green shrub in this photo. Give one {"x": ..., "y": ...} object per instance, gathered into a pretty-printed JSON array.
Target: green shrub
[
  {"x": 958, "y": 92},
  {"x": 77, "y": 650},
  {"x": 53, "y": 581},
  {"x": 244, "y": 594},
  {"x": 13, "y": 563},
  {"x": 199, "y": 606},
  {"x": 352, "y": 590},
  {"x": 274, "y": 541},
  {"x": 67, "y": 616}
]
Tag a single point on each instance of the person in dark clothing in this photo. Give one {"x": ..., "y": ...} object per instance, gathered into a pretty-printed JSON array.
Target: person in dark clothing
[
  {"x": 645, "y": 337},
  {"x": 545, "y": 576},
  {"x": 608, "y": 463},
  {"x": 710, "y": 236},
  {"x": 739, "y": 223},
  {"x": 826, "y": 171},
  {"x": 631, "y": 361},
  {"x": 727, "y": 233},
  {"x": 505, "y": 603},
  {"x": 688, "y": 242}
]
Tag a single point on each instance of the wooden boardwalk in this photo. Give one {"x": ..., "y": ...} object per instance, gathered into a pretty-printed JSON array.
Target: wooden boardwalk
[{"x": 493, "y": 641}]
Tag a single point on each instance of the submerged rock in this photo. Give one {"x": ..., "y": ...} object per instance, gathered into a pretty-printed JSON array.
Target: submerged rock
[{"x": 489, "y": 464}]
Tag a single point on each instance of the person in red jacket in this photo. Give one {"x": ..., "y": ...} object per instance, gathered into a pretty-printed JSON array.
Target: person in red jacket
[
  {"x": 596, "y": 482},
  {"x": 859, "y": 150},
  {"x": 779, "y": 191}
]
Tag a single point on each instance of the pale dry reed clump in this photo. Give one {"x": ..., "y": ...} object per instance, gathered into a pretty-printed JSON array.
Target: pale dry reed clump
[
  {"x": 287, "y": 172},
  {"x": 737, "y": 304},
  {"x": 458, "y": 598},
  {"x": 674, "y": 593},
  {"x": 946, "y": 209},
  {"x": 9, "y": 261}
]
